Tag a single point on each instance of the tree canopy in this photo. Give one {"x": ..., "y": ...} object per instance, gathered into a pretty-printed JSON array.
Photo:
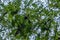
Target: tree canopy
[{"x": 27, "y": 18}]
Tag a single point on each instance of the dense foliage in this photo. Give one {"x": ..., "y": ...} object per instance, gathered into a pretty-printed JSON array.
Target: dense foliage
[{"x": 29, "y": 17}]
